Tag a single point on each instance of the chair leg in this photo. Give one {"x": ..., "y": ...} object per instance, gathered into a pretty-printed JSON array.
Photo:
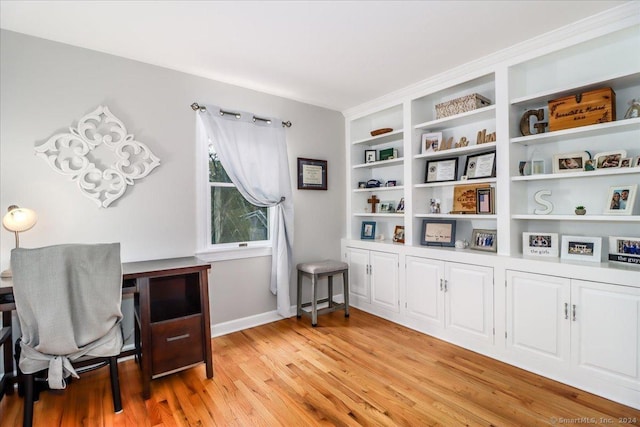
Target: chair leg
[
  {"x": 115, "y": 384},
  {"x": 28, "y": 385},
  {"x": 345, "y": 290},
  {"x": 314, "y": 301},
  {"x": 16, "y": 352}
]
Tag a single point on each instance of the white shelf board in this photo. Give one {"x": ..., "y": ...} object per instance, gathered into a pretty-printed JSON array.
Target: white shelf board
[
  {"x": 379, "y": 164},
  {"x": 617, "y": 81},
  {"x": 580, "y": 174},
  {"x": 452, "y": 183},
  {"x": 380, "y": 139},
  {"x": 600, "y": 129},
  {"x": 384, "y": 215},
  {"x": 585, "y": 218},
  {"x": 476, "y": 115},
  {"x": 371, "y": 189},
  {"x": 488, "y": 146},
  {"x": 457, "y": 216}
]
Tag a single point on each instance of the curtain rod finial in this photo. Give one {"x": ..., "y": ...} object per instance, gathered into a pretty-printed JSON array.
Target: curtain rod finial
[{"x": 196, "y": 107}]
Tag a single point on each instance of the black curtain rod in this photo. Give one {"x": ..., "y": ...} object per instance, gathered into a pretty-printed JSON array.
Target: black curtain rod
[{"x": 196, "y": 107}]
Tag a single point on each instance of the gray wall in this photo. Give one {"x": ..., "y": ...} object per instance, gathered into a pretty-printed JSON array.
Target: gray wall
[{"x": 46, "y": 87}]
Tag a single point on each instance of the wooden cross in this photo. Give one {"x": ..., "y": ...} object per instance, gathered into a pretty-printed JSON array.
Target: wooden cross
[{"x": 374, "y": 201}]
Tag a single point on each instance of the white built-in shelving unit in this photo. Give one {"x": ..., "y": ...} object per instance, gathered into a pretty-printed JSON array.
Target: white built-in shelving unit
[{"x": 490, "y": 293}]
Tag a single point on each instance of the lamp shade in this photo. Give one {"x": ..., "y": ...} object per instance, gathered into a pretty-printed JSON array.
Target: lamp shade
[{"x": 19, "y": 219}]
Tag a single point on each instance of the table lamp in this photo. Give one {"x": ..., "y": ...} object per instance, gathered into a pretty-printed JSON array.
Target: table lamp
[{"x": 17, "y": 219}]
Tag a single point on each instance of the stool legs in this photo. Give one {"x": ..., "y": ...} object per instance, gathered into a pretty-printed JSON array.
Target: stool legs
[
  {"x": 345, "y": 291},
  {"x": 314, "y": 301},
  {"x": 330, "y": 289},
  {"x": 299, "y": 303}
]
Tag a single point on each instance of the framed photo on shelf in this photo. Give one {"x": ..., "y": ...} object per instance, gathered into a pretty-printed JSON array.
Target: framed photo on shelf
[
  {"x": 400, "y": 207},
  {"x": 636, "y": 162},
  {"x": 438, "y": 232},
  {"x": 465, "y": 198},
  {"x": 621, "y": 199},
  {"x": 481, "y": 165},
  {"x": 570, "y": 162},
  {"x": 626, "y": 162},
  {"x": 312, "y": 174},
  {"x": 368, "y": 231},
  {"x": 484, "y": 240},
  {"x": 441, "y": 170},
  {"x": 370, "y": 156},
  {"x": 581, "y": 248},
  {"x": 540, "y": 244},
  {"x": 624, "y": 250},
  {"x": 485, "y": 204},
  {"x": 387, "y": 207},
  {"x": 430, "y": 142},
  {"x": 609, "y": 159},
  {"x": 398, "y": 234}
]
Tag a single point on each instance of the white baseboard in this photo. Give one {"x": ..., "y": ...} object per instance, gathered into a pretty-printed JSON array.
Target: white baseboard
[{"x": 236, "y": 325}]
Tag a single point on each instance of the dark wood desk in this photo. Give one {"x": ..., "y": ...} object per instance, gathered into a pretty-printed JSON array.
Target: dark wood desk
[{"x": 172, "y": 321}]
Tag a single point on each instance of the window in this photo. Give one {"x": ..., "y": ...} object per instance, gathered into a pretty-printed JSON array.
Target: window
[{"x": 233, "y": 220}]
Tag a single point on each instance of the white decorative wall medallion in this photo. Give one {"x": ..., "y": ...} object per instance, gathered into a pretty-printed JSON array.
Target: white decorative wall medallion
[{"x": 81, "y": 154}]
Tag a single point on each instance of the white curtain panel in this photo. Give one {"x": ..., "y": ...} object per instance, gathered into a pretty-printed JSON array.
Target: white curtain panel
[{"x": 254, "y": 155}]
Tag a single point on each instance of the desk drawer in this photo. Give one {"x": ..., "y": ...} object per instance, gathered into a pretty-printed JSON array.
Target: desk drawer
[{"x": 176, "y": 343}]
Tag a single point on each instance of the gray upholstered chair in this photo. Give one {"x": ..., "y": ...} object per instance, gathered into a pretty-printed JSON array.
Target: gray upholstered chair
[{"x": 68, "y": 300}]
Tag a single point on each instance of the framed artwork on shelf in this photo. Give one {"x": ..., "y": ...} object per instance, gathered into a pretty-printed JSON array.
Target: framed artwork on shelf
[
  {"x": 368, "y": 231},
  {"x": 400, "y": 207},
  {"x": 626, "y": 162},
  {"x": 570, "y": 162},
  {"x": 398, "y": 234},
  {"x": 438, "y": 232},
  {"x": 312, "y": 174},
  {"x": 388, "y": 154},
  {"x": 636, "y": 162},
  {"x": 369, "y": 156},
  {"x": 621, "y": 199},
  {"x": 609, "y": 159},
  {"x": 485, "y": 203},
  {"x": 625, "y": 250},
  {"x": 387, "y": 207},
  {"x": 540, "y": 244},
  {"x": 430, "y": 142},
  {"x": 581, "y": 248},
  {"x": 441, "y": 170},
  {"x": 465, "y": 198},
  {"x": 484, "y": 240},
  {"x": 481, "y": 165}
]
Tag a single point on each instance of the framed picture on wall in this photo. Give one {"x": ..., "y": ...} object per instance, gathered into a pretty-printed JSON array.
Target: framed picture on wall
[{"x": 312, "y": 174}]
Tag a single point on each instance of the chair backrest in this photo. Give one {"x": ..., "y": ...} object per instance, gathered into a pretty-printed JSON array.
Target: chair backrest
[{"x": 68, "y": 299}]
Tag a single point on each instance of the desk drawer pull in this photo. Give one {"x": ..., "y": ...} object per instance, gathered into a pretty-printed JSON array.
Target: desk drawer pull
[{"x": 178, "y": 337}]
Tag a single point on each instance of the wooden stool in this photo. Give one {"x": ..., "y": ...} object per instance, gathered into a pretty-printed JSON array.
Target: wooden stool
[{"x": 315, "y": 271}]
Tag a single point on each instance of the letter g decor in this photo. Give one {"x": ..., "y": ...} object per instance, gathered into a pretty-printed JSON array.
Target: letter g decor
[{"x": 78, "y": 154}]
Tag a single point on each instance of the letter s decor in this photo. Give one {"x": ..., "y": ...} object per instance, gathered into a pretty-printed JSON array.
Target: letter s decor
[
  {"x": 72, "y": 154},
  {"x": 548, "y": 206}
]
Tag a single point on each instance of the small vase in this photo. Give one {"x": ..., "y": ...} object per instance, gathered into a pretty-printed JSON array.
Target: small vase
[{"x": 581, "y": 211}]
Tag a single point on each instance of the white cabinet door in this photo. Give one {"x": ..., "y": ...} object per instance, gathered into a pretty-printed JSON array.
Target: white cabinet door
[
  {"x": 384, "y": 280},
  {"x": 358, "y": 260},
  {"x": 538, "y": 322},
  {"x": 469, "y": 300},
  {"x": 424, "y": 290},
  {"x": 606, "y": 331}
]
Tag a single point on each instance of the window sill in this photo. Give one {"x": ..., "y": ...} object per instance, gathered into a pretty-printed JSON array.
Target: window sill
[{"x": 234, "y": 253}]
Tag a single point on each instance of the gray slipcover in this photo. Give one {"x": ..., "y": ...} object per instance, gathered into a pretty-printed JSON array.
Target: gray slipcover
[{"x": 68, "y": 301}]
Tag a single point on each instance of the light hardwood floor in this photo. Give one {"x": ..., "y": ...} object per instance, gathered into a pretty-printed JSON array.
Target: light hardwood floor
[{"x": 357, "y": 371}]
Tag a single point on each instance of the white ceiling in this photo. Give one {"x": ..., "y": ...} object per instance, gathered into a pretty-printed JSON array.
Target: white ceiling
[{"x": 335, "y": 54}]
